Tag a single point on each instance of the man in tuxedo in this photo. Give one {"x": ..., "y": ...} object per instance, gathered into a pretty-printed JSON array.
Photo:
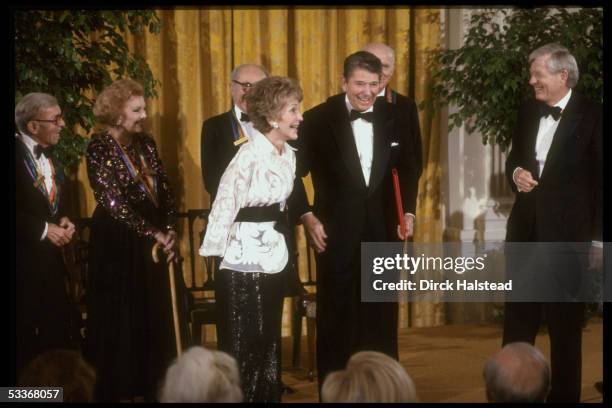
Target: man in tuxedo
[
  {"x": 42, "y": 229},
  {"x": 349, "y": 144},
  {"x": 406, "y": 107},
  {"x": 223, "y": 134},
  {"x": 555, "y": 169}
]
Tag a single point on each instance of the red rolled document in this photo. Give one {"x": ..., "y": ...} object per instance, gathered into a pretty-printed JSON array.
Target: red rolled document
[{"x": 398, "y": 201}]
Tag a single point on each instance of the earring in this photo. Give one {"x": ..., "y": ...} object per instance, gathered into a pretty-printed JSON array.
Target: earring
[{"x": 275, "y": 125}]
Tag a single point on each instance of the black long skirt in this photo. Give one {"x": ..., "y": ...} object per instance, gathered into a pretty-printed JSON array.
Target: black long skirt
[
  {"x": 130, "y": 338},
  {"x": 249, "y": 307}
]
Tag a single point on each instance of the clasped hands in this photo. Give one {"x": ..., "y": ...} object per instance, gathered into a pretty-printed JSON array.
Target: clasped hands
[
  {"x": 60, "y": 234},
  {"x": 168, "y": 242},
  {"x": 318, "y": 236}
]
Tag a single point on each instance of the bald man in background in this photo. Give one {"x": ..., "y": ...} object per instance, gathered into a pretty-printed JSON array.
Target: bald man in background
[
  {"x": 517, "y": 373},
  {"x": 406, "y": 108}
]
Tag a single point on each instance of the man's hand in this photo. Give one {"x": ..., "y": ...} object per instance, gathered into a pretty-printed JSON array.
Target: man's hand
[
  {"x": 595, "y": 257},
  {"x": 524, "y": 181},
  {"x": 408, "y": 227},
  {"x": 59, "y": 236},
  {"x": 316, "y": 231},
  {"x": 68, "y": 226}
]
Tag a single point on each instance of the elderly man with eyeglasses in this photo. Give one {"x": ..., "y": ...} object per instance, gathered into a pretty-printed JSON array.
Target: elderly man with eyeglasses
[
  {"x": 42, "y": 229},
  {"x": 223, "y": 134}
]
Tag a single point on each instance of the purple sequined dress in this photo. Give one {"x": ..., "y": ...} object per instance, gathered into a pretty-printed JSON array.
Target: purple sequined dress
[{"x": 130, "y": 339}]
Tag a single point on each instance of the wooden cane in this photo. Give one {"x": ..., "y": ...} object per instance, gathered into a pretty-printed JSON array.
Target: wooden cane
[{"x": 175, "y": 318}]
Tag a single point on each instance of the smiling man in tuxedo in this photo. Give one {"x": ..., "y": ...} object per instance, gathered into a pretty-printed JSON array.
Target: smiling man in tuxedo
[
  {"x": 42, "y": 230},
  {"x": 555, "y": 169},
  {"x": 349, "y": 144}
]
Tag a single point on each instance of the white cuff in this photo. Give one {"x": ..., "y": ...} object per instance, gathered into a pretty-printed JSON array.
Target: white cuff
[
  {"x": 44, "y": 234},
  {"x": 305, "y": 214},
  {"x": 514, "y": 174},
  {"x": 597, "y": 244}
]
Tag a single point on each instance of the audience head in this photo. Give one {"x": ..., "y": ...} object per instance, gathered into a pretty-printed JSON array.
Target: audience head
[
  {"x": 273, "y": 106},
  {"x": 370, "y": 376},
  {"x": 201, "y": 375},
  {"x": 517, "y": 373},
  {"x": 39, "y": 116},
  {"x": 242, "y": 79},
  {"x": 386, "y": 55},
  {"x": 553, "y": 71},
  {"x": 121, "y": 105},
  {"x": 61, "y": 368},
  {"x": 362, "y": 76}
]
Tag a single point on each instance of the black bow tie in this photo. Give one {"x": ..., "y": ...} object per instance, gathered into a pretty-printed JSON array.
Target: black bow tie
[
  {"x": 244, "y": 117},
  {"x": 38, "y": 150},
  {"x": 546, "y": 110},
  {"x": 369, "y": 116}
]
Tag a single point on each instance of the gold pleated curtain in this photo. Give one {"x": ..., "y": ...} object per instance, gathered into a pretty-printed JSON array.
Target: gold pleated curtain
[{"x": 197, "y": 48}]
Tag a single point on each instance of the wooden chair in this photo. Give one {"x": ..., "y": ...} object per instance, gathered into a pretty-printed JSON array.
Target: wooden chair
[{"x": 201, "y": 304}]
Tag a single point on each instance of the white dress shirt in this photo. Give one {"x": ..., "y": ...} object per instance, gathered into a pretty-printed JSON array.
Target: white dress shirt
[
  {"x": 43, "y": 166},
  {"x": 243, "y": 125},
  {"x": 257, "y": 176},
  {"x": 363, "y": 132},
  {"x": 546, "y": 131}
]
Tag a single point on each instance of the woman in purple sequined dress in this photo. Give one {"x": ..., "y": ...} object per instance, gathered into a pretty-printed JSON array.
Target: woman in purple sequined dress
[{"x": 130, "y": 339}]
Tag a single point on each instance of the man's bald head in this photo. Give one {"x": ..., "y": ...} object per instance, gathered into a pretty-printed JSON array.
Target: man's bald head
[
  {"x": 517, "y": 373},
  {"x": 387, "y": 56}
]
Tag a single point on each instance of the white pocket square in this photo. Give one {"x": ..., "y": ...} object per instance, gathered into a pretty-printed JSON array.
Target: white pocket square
[{"x": 393, "y": 144}]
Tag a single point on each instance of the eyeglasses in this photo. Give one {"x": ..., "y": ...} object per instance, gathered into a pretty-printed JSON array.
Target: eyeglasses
[
  {"x": 55, "y": 120},
  {"x": 244, "y": 85}
]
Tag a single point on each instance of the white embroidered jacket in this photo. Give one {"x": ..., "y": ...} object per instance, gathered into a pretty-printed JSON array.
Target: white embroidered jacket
[{"x": 257, "y": 176}]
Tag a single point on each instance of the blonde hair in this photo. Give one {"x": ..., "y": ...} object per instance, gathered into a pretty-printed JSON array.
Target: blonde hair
[
  {"x": 268, "y": 98},
  {"x": 110, "y": 102},
  {"x": 370, "y": 376},
  {"x": 201, "y": 375}
]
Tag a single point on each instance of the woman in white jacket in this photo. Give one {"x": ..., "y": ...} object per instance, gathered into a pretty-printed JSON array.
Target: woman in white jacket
[{"x": 245, "y": 228}]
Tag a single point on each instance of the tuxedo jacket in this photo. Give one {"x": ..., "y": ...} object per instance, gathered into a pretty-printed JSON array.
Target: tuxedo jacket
[
  {"x": 41, "y": 299},
  {"x": 217, "y": 148},
  {"x": 343, "y": 203},
  {"x": 408, "y": 116},
  {"x": 566, "y": 205}
]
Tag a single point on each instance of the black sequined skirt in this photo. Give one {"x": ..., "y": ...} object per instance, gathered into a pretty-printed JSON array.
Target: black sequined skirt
[{"x": 249, "y": 307}]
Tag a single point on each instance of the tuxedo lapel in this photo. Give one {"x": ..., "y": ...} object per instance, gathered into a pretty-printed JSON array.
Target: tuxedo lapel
[
  {"x": 569, "y": 120},
  {"x": 25, "y": 159},
  {"x": 343, "y": 135},
  {"x": 531, "y": 133},
  {"x": 380, "y": 155},
  {"x": 231, "y": 127}
]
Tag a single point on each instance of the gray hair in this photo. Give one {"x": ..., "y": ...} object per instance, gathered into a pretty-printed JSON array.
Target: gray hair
[
  {"x": 27, "y": 108},
  {"x": 517, "y": 373},
  {"x": 370, "y": 376},
  {"x": 201, "y": 375},
  {"x": 560, "y": 59},
  {"x": 237, "y": 70},
  {"x": 381, "y": 46}
]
